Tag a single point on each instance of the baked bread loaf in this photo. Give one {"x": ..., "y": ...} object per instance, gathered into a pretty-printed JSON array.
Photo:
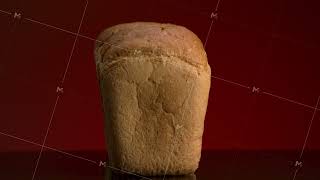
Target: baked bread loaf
[{"x": 154, "y": 80}]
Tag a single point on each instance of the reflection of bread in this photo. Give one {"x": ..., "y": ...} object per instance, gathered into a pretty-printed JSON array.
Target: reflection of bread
[
  {"x": 154, "y": 82},
  {"x": 117, "y": 175}
]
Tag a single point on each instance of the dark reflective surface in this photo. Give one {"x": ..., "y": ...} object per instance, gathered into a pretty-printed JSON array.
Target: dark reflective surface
[
  {"x": 214, "y": 165},
  {"x": 115, "y": 175}
]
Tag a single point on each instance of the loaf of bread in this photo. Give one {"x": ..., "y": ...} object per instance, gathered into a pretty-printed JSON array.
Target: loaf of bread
[{"x": 154, "y": 80}]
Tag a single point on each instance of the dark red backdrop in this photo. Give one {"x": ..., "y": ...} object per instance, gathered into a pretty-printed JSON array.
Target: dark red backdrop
[{"x": 272, "y": 45}]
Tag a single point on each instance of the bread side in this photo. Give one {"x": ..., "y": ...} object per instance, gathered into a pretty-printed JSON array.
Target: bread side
[{"x": 155, "y": 106}]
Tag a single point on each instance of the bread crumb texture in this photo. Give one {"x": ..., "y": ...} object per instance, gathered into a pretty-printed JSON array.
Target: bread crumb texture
[{"x": 155, "y": 92}]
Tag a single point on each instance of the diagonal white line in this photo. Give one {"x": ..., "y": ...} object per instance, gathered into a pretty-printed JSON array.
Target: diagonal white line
[
  {"x": 295, "y": 174},
  {"x": 71, "y": 33},
  {"x": 307, "y": 137},
  {"x": 217, "y": 6},
  {"x": 309, "y": 128},
  {"x": 128, "y": 172},
  {"x": 207, "y": 37},
  {"x": 68, "y": 154},
  {"x": 5, "y": 12},
  {"x": 75, "y": 42},
  {"x": 50, "y": 122},
  {"x": 45, "y": 138},
  {"x": 15, "y": 137},
  {"x": 69, "y": 60},
  {"x": 208, "y": 34},
  {"x": 267, "y": 93},
  {"x": 212, "y": 20},
  {"x": 210, "y": 28},
  {"x": 50, "y": 26},
  {"x": 289, "y": 100},
  {"x": 47, "y": 147},
  {"x": 231, "y": 82},
  {"x": 114, "y": 45}
]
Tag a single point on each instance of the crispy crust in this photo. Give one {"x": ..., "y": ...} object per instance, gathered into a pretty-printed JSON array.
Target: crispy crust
[{"x": 136, "y": 38}]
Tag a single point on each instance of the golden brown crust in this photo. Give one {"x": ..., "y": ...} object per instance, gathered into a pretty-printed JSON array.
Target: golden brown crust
[{"x": 138, "y": 38}]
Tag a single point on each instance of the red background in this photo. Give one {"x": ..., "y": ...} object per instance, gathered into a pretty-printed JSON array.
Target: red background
[{"x": 270, "y": 44}]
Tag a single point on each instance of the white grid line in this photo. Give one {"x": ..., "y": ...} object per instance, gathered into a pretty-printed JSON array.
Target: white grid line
[
  {"x": 128, "y": 172},
  {"x": 309, "y": 128},
  {"x": 219, "y": 78},
  {"x": 289, "y": 100},
  {"x": 5, "y": 12},
  {"x": 71, "y": 33},
  {"x": 74, "y": 43},
  {"x": 50, "y": 26},
  {"x": 306, "y": 139},
  {"x": 208, "y": 34},
  {"x": 214, "y": 16},
  {"x": 230, "y": 82},
  {"x": 63, "y": 79},
  {"x": 58, "y": 95},
  {"x": 66, "y": 153},
  {"x": 47, "y": 147},
  {"x": 191, "y": 89},
  {"x": 45, "y": 138},
  {"x": 217, "y": 6},
  {"x": 295, "y": 173},
  {"x": 266, "y": 93}
]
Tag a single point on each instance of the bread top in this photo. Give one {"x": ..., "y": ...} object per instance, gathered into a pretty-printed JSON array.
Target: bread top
[{"x": 163, "y": 39}]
